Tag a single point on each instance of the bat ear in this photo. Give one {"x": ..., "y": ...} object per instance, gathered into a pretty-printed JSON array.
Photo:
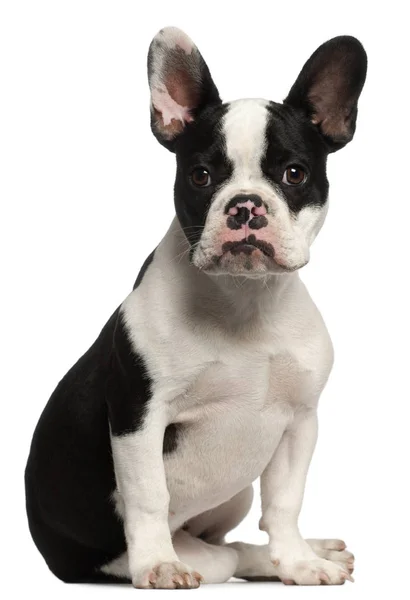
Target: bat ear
[
  {"x": 180, "y": 83},
  {"x": 329, "y": 86}
]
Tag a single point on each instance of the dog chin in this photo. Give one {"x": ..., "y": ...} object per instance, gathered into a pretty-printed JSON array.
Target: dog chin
[{"x": 254, "y": 266}]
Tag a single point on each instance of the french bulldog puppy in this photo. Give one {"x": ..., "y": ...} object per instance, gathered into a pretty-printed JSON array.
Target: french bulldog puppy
[{"x": 208, "y": 375}]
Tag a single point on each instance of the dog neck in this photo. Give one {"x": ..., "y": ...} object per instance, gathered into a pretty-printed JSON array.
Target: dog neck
[{"x": 235, "y": 301}]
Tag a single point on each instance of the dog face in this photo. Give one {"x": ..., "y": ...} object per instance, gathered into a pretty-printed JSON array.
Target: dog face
[{"x": 251, "y": 187}]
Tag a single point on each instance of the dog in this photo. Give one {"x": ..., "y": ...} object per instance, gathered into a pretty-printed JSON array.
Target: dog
[{"x": 208, "y": 375}]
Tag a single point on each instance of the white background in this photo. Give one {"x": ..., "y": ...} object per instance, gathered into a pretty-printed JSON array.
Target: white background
[{"x": 86, "y": 194}]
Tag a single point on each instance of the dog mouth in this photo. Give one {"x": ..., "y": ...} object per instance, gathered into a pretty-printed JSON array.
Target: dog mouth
[
  {"x": 247, "y": 246},
  {"x": 248, "y": 256}
]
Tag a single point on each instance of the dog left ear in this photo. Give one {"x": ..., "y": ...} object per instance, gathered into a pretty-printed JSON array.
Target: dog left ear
[
  {"x": 328, "y": 89},
  {"x": 180, "y": 83}
]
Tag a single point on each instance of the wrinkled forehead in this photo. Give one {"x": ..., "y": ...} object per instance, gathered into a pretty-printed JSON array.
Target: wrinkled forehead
[
  {"x": 238, "y": 129},
  {"x": 244, "y": 132}
]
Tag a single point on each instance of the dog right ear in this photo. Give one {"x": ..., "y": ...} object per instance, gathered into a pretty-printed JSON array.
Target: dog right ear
[
  {"x": 180, "y": 84},
  {"x": 328, "y": 89}
]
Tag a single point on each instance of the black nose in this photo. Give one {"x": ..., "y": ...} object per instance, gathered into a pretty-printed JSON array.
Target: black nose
[
  {"x": 246, "y": 209},
  {"x": 238, "y": 216},
  {"x": 243, "y": 199}
]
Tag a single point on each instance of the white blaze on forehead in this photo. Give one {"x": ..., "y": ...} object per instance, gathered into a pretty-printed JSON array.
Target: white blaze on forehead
[{"x": 244, "y": 127}]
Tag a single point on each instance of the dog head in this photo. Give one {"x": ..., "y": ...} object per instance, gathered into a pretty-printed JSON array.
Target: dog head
[{"x": 251, "y": 188}]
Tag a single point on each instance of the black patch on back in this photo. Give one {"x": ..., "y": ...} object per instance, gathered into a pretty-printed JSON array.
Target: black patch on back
[
  {"x": 293, "y": 140},
  {"x": 129, "y": 385},
  {"x": 69, "y": 476},
  {"x": 201, "y": 144},
  {"x": 144, "y": 267}
]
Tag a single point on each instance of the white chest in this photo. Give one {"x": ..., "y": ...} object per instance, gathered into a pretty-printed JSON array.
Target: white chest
[
  {"x": 231, "y": 421},
  {"x": 232, "y": 390}
]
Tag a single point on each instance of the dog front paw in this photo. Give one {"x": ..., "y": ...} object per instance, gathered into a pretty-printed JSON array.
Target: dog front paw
[
  {"x": 312, "y": 571},
  {"x": 168, "y": 576},
  {"x": 335, "y": 551}
]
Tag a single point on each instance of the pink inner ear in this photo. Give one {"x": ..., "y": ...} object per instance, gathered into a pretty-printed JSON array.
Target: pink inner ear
[
  {"x": 168, "y": 107},
  {"x": 330, "y": 101},
  {"x": 174, "y": 99}
]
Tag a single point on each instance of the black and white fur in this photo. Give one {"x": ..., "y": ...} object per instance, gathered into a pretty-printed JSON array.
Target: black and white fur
[{"x": 208, "y": 375}]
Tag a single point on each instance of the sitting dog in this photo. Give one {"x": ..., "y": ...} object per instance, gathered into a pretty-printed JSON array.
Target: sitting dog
[{"x": 208, "y": 375}]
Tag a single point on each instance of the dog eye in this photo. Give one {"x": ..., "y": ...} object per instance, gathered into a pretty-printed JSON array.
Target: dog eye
[
  {"x": 201, "y": 177},
  {"x": 294, "y": 175}
]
